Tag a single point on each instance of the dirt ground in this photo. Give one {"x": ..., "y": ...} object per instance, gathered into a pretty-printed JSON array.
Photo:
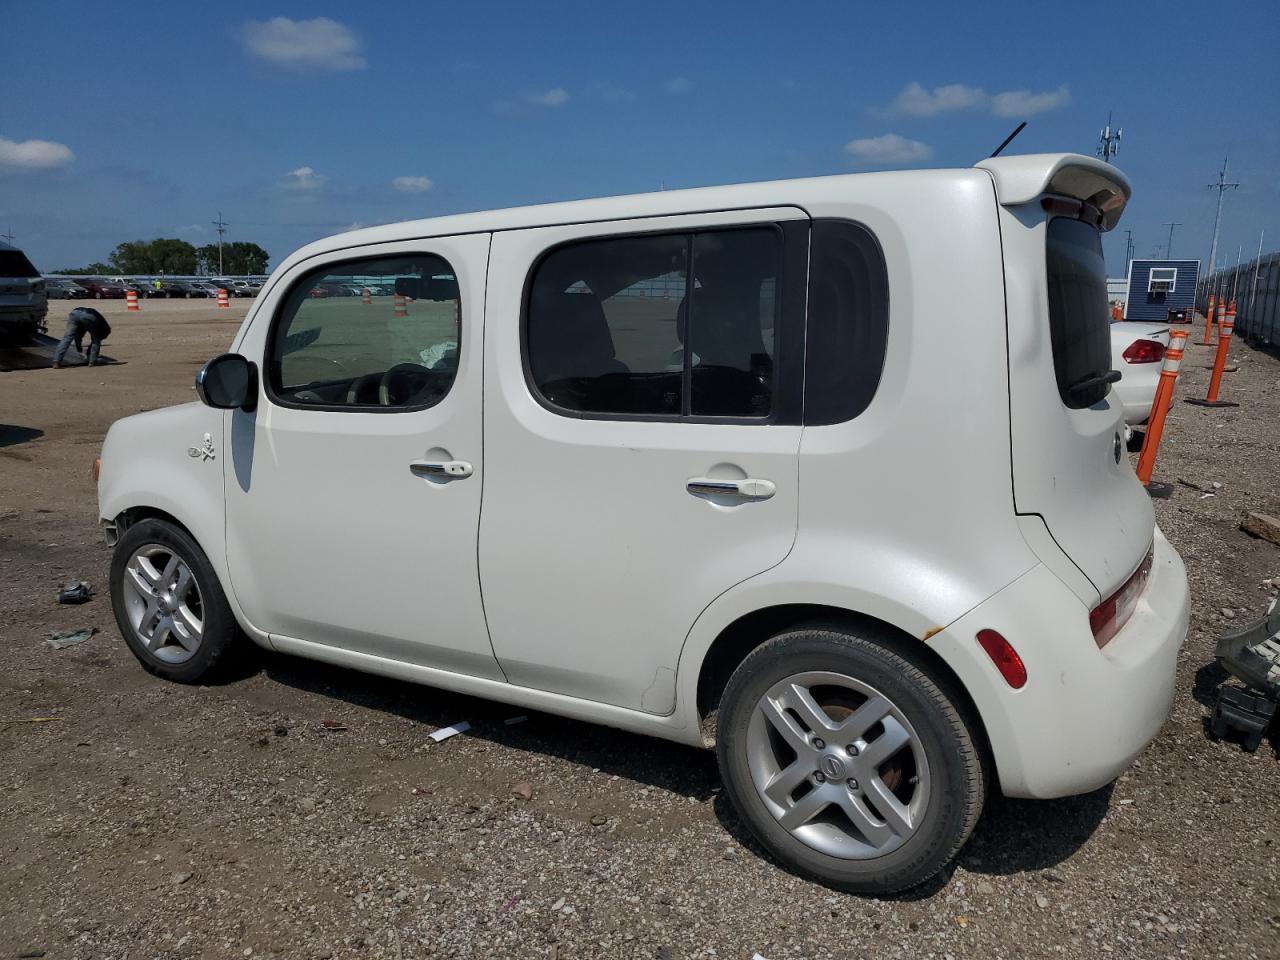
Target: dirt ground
[{"x": 149, "y": 819}]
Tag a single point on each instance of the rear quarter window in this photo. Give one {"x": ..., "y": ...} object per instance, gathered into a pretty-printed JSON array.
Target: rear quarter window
[
  {"x": 1078, "y": 323},
  {"x": 14, "y": 263}
]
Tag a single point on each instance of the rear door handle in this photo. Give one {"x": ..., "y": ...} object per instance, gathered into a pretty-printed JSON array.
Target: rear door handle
[
  {"x": 445, "y": 469},
  {"x": 748, "y": 489}
]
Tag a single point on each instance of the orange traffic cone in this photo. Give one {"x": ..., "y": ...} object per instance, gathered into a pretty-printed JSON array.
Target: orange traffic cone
[
  {"x": 222, "y": 299},
  {"x": 131, "y": 300},
  {"x": 401, "y": 307},
  {"x": 364, "y": 296},
  {"x": 1220, "y": 361}
]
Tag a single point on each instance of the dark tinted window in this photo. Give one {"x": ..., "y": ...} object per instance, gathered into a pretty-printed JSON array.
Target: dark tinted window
[
  {"x": 398, "y": 350},
  {"x": 665, "y": 325},
  {"x": 14, "y": 263},
  {"x": 1078, "y": 320},
  {"x": 731, "y": 313},
  {"x": 848, "y": 325}
]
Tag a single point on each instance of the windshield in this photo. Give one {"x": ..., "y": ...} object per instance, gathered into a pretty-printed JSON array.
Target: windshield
[{"x": 1078, "y": 320}]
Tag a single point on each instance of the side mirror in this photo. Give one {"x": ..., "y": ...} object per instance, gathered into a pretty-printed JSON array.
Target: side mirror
[{"x": 228, "y": 382}]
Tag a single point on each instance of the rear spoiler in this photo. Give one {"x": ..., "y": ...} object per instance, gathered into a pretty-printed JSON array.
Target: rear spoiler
[{"x": 1023, "y": 179}]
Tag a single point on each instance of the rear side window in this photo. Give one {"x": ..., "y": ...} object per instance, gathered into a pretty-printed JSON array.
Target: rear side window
[
  {"x": 14, "y": 263},
  {"x": 663, "y": 325},
  {"x": 1078, "y": 322},
  {"x": 848, "y": 322}
]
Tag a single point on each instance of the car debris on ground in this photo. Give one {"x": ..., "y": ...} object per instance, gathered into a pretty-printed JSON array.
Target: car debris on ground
[
  {"x": 61, "y": 639},
  {"x": 77, "y": 591}
]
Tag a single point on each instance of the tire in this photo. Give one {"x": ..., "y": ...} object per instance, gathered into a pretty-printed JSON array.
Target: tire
[
  {"x": 858, "y": 813},
  {"x": 148, "y": 586}
]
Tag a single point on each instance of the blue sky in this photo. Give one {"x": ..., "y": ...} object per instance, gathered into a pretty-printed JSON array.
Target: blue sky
[{"x": 301, "y": 119}]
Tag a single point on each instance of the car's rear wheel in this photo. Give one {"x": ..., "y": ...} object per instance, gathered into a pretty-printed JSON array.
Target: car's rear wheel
[
  {"x": 847, "y": 760},
  {"x": 168, "y": 602}
]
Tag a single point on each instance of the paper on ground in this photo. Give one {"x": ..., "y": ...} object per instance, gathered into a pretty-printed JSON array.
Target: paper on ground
[{"x": 444, "y": 733}]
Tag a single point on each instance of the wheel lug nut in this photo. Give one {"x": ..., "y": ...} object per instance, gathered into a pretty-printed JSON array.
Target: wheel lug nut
[
  {"x": 818, "y": 743},
  {"x": 852, "y": 749},
  {"x": 852, "y": 783},
  {"x": 819, "y": 777}
]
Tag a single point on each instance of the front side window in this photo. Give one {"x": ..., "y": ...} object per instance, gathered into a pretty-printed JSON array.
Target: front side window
[
  {"x": 672, "y": 325},
  {"x": 370, "y": 334},
  {"x": 1079, "y": 327}
]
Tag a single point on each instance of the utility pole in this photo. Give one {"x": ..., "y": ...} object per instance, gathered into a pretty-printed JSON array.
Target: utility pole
[
  {"x": 1257, "y": 268},
  {"x": 221, "y": 228},
  {"x": 1108, "y": 141},
  {"x": 1221, "y": 186},
  {"x": 8, "y": 237},
  {"x": 1235, "y": 277},
  {"x": 1128, "y": 251},
  {"x": 1168, "y": 251}
]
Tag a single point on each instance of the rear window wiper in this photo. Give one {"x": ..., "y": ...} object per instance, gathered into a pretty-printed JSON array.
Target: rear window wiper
[{"x": 1091, "y": 381}]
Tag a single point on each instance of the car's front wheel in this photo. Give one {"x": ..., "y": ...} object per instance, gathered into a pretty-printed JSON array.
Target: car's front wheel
[
  {"x": 168, "y": 602},
  {"x": 847, "y": 760}
]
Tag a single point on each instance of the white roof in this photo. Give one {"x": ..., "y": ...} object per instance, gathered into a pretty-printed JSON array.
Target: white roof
[{"x": 1022, "y": 177}]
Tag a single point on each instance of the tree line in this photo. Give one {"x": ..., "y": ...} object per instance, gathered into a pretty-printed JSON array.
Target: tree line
[{"x": 169, "y": 257}]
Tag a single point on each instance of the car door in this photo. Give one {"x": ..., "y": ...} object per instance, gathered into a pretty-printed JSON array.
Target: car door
[
  {"x": 353, "y": 490},
  {"x": 642, "y": 396}
]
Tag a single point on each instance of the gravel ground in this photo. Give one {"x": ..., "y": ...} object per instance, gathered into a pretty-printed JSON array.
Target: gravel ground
[{"x": 154, "y": 820}]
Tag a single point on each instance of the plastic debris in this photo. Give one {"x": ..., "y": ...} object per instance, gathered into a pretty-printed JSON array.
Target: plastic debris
[
  {"x": 512, "y": 721},
  {"x": 76, "y": 591},
  {"x": 61, "y": 639},
  {"x": 333, "y": 726},
  {"x": 444, "y": 733}
]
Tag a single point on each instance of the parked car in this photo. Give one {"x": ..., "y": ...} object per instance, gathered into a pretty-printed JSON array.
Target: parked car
[
  {"x": 192, "y": 288},
  {"x": 102, "y": 289},
  {"x": 62, "y": 289},
  {"x": 24, "y": 302},
  {"x": 971, "y": 594},
  {"x": 1137, "y": 351}
]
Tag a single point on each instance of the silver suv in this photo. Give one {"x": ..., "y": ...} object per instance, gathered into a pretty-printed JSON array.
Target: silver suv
[{"x": 23, "y": 302}]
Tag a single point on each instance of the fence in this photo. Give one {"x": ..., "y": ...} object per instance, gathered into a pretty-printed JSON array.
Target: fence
[{"x": 1256, "y": 288}]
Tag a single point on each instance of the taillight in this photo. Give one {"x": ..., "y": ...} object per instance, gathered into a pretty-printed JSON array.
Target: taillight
[
  {"x": 1004, "y": 657},
  {"x": 1144, "y": 351},
  {"x": 1106, "y": 619}
]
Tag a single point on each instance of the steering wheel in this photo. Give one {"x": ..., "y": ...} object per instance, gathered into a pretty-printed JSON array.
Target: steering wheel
[{"x": 403, "y": 384}]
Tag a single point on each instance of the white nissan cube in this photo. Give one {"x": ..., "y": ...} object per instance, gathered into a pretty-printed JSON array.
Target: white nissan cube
[{"x": 826, "y": 474}]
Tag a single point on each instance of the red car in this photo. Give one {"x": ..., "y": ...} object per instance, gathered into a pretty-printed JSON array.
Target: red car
[{"x": 101, "y": 289}]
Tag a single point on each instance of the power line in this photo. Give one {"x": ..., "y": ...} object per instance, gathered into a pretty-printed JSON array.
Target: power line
[
  {"x": 1168, "y": 251},
  {"x": 221, "y": 228}
]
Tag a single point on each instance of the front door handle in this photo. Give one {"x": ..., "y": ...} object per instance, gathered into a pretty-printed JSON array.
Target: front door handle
[
  {"x": 443, "y": 469},
  {"x": 748, "y": 489}
]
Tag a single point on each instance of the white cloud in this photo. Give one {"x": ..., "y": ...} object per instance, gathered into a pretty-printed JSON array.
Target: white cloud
[
  {"x": 319, "y": 44},
  {"x": 678, "y": 85},
  {"x": 304, "y": 178},
  {"x": 412, "y": 184},
  {"x": 916, "y": 101},
  {"x": 556, "y": 97},
  {"x": 34, "y": 154},
  {"x": 888, "y": 149},
  {"x": 1025, "y": 103},
  {"x": 534, "y": 100}
]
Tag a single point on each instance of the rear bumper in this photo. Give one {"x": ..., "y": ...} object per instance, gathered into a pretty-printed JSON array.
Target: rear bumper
[
  {"x": 1136, "y": 391},
  {"x": 1084, "y": 713}
]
